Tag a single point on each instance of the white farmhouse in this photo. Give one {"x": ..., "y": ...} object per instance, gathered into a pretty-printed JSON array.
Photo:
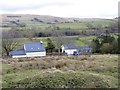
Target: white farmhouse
[
  {"x": 33, "y": 49},
  {"x": 69, "y": 49}
]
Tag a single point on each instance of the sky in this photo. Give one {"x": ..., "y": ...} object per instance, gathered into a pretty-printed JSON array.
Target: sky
[{"x": 62, "y": 8}]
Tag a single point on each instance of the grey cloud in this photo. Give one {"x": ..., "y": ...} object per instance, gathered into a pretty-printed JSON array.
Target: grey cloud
[{"x": 28, "y": 7}]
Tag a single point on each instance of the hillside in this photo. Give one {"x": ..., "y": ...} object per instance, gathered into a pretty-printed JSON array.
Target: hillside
[
  {"x": 8, "y": 19},
  {"x": 45, "y": 18},
  {"x": 43, "y": 25}
]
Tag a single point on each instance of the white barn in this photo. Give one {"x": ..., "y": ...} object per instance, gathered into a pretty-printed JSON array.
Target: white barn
[
  {"x": 33, "y": 49},
  {"x": 69, "y": 49}
]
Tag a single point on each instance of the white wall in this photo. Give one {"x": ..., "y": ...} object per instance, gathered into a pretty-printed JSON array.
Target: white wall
[
  {"x": 35, "y": 54},
  {"x": 70, "y": 51},
  {"x": 31, "y": 54},
  {"x": 62, "y": 47},
  {"x": 19, "y": 56}
]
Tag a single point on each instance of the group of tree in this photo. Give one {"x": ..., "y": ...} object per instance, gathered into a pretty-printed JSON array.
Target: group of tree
[
  {"x": 9, "y": 43},
  {"x": 57, "y": 40},
  {"x": 50, "y": 46},
  {"x": 106, "y": 43}
]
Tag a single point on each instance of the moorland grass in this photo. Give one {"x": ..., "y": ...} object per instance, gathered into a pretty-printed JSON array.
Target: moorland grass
[{"x": 62, "y": 72}]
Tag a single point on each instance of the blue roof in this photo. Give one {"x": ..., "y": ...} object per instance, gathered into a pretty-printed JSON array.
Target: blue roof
[
  {"x": 85, "y": 47},
  {"x": 17, "y": 52},
  {"x": 34, "y": 47},
  {"x": 70, "y": 46}
]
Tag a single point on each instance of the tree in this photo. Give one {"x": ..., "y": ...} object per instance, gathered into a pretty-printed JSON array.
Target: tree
[
  {"x": 115, "y": 46},
  {"x": 106, "y": 43},
  {"x": 83, "y": 32},
  {"x": 57, "y": 28},
  {"x": 118, "y": 43},
  {"x": 99, "y": 26},
  {"x": 107, "y": 38},
  {"x": 96, "y": 45},
  {"x": 106, "y": 48},
  {"x": 60, "y": 39},
  {"x": 50, "y": 45},
  {"x": 29, "y": 33},
  {"x": 113, "y": 28},
  {"x": 8, "y": 42}
]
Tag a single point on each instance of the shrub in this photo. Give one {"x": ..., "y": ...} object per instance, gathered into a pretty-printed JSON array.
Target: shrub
[
  {"x": 106, "y": 48},
  {"x": 60, "y": 64}
]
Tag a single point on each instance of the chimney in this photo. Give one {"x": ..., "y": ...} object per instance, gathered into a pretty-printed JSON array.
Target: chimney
[{"x": 41, "y": 42}]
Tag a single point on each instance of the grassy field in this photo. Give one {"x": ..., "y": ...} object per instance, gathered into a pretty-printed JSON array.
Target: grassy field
[
  {"x": 86, "y": 71},
  {"x": 72, "y": 25},
  {"x": 78, "y": 40},
  {"x": 75, "y": 25}
]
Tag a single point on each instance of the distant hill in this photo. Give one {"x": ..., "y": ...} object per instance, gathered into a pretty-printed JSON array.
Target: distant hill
[
  {"x": 21, "y": 19},
  {"x": 45, "y": 18}
]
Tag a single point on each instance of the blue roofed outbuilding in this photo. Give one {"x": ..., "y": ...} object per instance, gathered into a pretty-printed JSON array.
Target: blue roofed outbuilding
[
  {"x": 70, "y": 46},
  {"x": 17, "y": 52},
  {"x": 85, "y": 49}
]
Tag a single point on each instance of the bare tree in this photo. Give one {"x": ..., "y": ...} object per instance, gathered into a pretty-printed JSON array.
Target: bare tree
[
  {"x": 29, "y": 33},
  {"x": 8, "y": 42},
  {"x": 59, "y": 39}
]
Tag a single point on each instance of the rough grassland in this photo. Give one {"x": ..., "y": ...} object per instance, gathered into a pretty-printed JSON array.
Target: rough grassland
[{"x": 61, "y": 72}]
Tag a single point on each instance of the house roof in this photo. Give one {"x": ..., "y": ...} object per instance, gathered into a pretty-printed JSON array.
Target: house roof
[
  {"x": 17, "y": 52},
  {"x": 84, "y": 47},
  {"x": 34, "y": 47},
  {"x": 70, "y": 46}
]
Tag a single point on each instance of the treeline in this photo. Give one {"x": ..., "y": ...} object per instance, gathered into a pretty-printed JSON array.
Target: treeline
[
  {"x": 35, "y": 33},
  {"x": 64, "y": 33},
  {"x": 106, "y": 43}
]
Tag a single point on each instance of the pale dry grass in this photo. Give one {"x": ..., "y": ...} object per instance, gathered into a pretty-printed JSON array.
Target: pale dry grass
[{"x": 64, "y": 63}]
